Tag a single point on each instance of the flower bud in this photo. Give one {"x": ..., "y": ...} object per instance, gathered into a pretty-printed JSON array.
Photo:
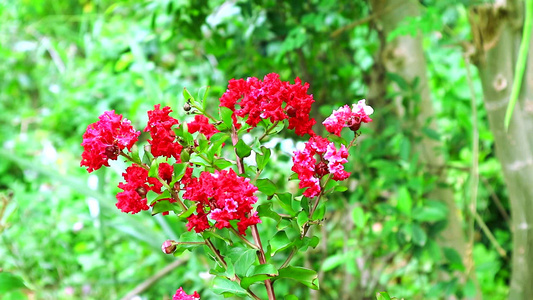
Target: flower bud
[
  {"x": 187, "y": 107},
  {"x": 322, "y": 169},
  {"x": 112, "y": 151},
  {"x": 354, "y": 124},
  {"x": 168, "y": 247},
  {"x": 291, "y": 111}
]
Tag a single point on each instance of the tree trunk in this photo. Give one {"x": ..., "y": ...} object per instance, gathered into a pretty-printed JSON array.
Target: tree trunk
[
  {"x": 404, "y": 56},
  {"x": 497, "y": 34}
]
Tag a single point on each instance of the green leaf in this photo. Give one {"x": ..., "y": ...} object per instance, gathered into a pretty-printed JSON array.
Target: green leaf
[
  {"x": 216, "y": 236},
  {"x": 301, "y": 219},
  {"x": 456, "y": 262},
  {"x": 163, "y": 206},
  {"x": 405, "y": 202},
  {"x": 187, "y": 95},
  {"x": 320, "y": 211},
  {"x": 265, "y": 210},
  {"x": 280, "y": 241},
  {"x": 404, "y": 86},
  {"x": 290, "y": 297},
  {"x": 305, "y": 276},
  {"x": 179, "y": 171},
  {"x": 222, "y": 163},
  {"x": 244, "y": 261},
  {"x": 266, "y": 186},
  {"x": 262, "y": 160},
  {"x": 216, "y": 145},
  {"x": 188, "y": 212},
  {"x": 243, "y": 150},
  {"x": 432, "y": 134},
  {"x": 10, "y": 282},
  {"x": 383, "y": 296},
  {"x": 243, "y": 258},
  {"x": 151, "y": 194},
  {"x": 432, "y": 211},
  {"x": 285, "y": 201},
  {"x": 359, "y": 217},
  {"x": 341, "y": 188},
  {"x": 154, "y": 167},
  {"x": 225, "y": 116},
  {"x": 419, "y": 235},
  {"x": 258, "y": 273},
  {"x": 227, "y": 288},
  {"x": 333, "y": 261}
]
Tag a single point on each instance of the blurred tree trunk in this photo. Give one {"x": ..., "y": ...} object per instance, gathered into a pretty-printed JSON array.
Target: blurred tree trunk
[
  {"x": 497, "y": 31},
  {"x": 404, "y": 56}
]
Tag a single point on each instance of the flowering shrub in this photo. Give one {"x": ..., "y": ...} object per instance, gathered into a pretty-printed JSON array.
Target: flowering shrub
[{"x": 186, "y": 169}]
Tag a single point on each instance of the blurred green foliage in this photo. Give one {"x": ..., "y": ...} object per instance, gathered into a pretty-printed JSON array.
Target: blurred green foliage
[{"x": 62, "y": 63}]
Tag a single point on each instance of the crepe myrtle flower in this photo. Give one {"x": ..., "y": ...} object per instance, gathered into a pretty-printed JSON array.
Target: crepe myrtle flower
[
  {"x": 319, "y": 158},
  {"x": 105, "y": 139},
  {"x": 271, "y": 99},
  {"x": 346, "y": 117},
  {"x": 221, "y": 196},
  {"x": 181, "y": 295},
  {"x": 163, "y": 142}
]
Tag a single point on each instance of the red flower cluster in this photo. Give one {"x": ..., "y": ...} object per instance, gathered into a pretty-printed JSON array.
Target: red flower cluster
[
  {"x": 201, "y": 124},
  {"x": 105, "y": 139},
  {"x": 346, "y": 117},
  {"x": 163, "y": 140},
  {"x": 266, "y": 99},
  {"x": 181, "y": 295},
  {"x": 222, "y": 196},
  {"x": 330, "y": 161},
  {"x": 133, "y": 197}
]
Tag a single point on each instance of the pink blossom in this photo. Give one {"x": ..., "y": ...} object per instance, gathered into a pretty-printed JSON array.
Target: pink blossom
[
  {"x": 346, "y": 117},
  {"x": 319, "y": 158},
  {"x": 181, "y": 295}
]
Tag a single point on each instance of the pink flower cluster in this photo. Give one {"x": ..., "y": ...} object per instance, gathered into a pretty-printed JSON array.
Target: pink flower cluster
[
  {"x": 181, "y": 295},
  {"x": 271, "y": 99},
  {"x": 310, "y": 169},
  {"x": 163, "y": 140},
  {"x": 222, "y": 196},
  {"x": 346, "y": 117},
  {"x": 105, "y": 139}
]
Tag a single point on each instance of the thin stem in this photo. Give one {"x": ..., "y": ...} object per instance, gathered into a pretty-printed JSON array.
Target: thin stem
[
  {"x": 144, "y": 166},
  {"x": 489, "y": 235},
  {"x": 225, "y": 265},
  {"x": 255, "y": 232},
  {"x": 267, "y": 132},
  {"x": 242, "y": 238},
  {"x": 216, "y": 252},
  {"x": 203, "y": 112}
]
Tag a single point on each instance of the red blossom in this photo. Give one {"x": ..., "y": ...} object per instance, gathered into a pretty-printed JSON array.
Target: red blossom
[
  {"x": 201, "y": 124},
  {"x": 133, "y": 197},
  {"x": 346, "y": 117},
  {"x": 181, "y": 295},
  {"x": 271, "y": 99},
  {"x": 138, "y": 184},
  {"x": 105, "y": 139},
  {"x": 222, "y": 196},
  {"x": 330, "y": 161},
  {"x": 163, "y": 142}
]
